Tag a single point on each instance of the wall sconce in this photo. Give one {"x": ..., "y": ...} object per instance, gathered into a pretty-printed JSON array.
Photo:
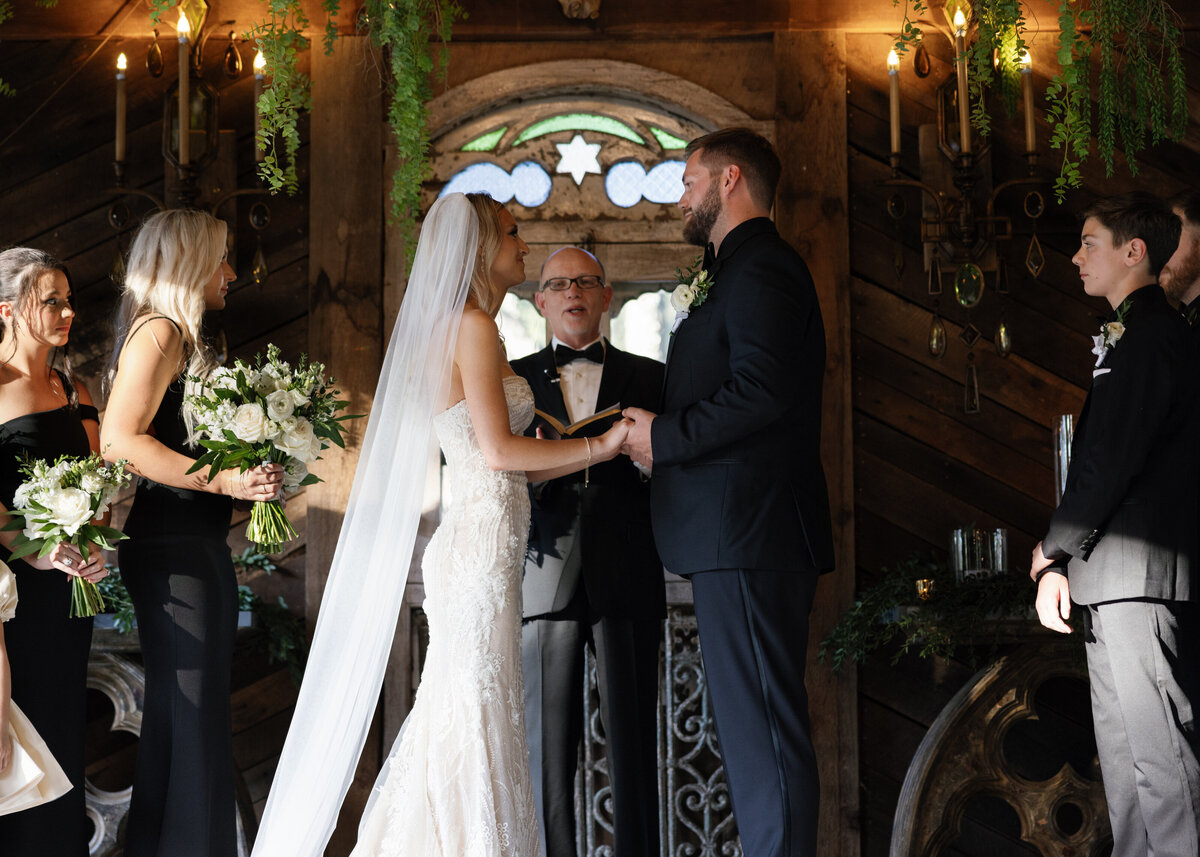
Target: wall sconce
[
  {"x": 960, "y": 227},
  {"x": 191, "y": 126}
]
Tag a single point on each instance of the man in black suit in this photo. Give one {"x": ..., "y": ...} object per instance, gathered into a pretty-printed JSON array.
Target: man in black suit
[
  {"x": 739, "y": 498},
  {"x": 592, "y": 574},
  {"x": 1180, "y": 277},
  {"x": 1123, "y": 541}
]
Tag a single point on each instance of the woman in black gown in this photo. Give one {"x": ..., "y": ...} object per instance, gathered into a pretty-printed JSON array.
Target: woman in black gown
[
  {"x": 176, "y": 563},
  {"x": 44, "y": 413}
]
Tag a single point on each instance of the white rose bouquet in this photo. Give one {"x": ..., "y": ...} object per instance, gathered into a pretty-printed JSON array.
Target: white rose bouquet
[
  {"x": 59, "y": 503},
  {"x": 270, "y": 412}
]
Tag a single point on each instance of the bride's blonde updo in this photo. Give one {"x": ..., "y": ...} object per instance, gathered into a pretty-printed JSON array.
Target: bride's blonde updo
[{"x": 483, "y": 292}]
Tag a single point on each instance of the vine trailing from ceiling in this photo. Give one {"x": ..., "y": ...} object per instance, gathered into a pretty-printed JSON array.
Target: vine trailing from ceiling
[
  {"x": 1141, "y": 92},
  {"x": 6, "y": 12},
  {"x": 402, "y": 30},
  {"x": 280, "y": 37}
]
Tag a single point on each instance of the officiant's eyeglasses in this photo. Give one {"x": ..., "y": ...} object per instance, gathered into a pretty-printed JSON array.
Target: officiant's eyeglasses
[{"x": 561, "y": 284}]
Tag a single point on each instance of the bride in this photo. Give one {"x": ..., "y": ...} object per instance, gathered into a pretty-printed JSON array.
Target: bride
[{"x": 457, "y": 781}]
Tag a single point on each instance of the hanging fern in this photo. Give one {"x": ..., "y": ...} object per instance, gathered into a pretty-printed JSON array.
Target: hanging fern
[
  {"x": 994, "y": 58},
  {"x": 910, "y": 33},
  {"x": 289, "y": 92},
  {"x": 402, "y": 29}
]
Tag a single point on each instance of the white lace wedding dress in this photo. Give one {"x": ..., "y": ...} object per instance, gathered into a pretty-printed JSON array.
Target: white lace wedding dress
[{"x": 457, "y": 783}]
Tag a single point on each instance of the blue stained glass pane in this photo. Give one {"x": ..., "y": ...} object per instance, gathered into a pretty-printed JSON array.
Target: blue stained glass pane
[
  {"x": 664, "y": 183},
  {"x": 623, "y": 184},
  {"x": 529, "y": 183},
  {"x": 628, "y": 182}
]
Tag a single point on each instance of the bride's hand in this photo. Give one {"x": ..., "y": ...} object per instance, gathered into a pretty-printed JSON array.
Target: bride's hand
[
  {"x": 261, "y": 483},
  {"x": 611, "y": 441}
]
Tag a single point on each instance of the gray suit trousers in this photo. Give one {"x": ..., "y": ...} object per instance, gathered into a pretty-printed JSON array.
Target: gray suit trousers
[{"x": 1143, "y": 669}]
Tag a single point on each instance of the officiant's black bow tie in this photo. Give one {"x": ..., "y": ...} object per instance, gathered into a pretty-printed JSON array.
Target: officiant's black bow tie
[{"x": 564, "y": 355}]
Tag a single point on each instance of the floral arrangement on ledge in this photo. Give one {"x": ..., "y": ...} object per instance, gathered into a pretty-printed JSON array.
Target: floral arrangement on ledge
[
  {"x": 283, "y": 633},
  {"x": 952, "y": 614}
]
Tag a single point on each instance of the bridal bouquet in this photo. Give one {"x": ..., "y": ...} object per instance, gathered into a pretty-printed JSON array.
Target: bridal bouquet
[
  {"x": 59, "y": 503},
  {"x": 270, "y": 412}
]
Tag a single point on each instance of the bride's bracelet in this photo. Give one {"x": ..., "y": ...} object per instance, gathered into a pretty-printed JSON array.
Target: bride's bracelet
[{"x": 588, "y": 461}]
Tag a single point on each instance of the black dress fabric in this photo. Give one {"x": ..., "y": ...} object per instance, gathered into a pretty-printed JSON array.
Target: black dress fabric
[
  {"x": 47, "y": 650},
  {"x": 177, "y": 568}
]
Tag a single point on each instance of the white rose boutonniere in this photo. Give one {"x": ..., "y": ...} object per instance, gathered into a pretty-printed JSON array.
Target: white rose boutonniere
[
  {"x": 692, "y": 291},
  {"x": 1110, "y": 334}
]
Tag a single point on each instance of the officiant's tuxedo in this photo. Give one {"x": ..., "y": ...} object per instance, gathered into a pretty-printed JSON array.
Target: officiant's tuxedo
[
  {"x": 592, "y": 574},
  {"x": 740, "y": 504},
  {"x": 1126, "y": 534}
]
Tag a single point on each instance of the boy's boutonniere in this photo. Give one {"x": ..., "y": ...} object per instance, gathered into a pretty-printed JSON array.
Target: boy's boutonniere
[
  {"x": 693, "y": 288},
  {"x": 1110, "y": 333}
]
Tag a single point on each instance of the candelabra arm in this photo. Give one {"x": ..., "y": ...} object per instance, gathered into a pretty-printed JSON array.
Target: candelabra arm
[
  {"x": 245, "y": 191},
  {"x": 134, "y": 191},
  {"x": 991, "y": 203},
  {"x": 935, "y": 195}
]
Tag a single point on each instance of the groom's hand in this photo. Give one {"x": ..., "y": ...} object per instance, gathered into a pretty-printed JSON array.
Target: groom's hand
[{"x": 637, "y": 443}]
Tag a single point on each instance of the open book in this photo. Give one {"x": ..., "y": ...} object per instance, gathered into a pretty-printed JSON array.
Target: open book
[{"x": 600, "y": 421}]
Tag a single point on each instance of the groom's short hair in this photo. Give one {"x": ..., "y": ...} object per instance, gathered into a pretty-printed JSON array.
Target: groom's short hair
[{"x": 752, "y": 153}]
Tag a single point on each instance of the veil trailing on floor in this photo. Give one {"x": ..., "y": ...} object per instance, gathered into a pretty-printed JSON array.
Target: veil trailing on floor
[{"x": 370, "y": 566}]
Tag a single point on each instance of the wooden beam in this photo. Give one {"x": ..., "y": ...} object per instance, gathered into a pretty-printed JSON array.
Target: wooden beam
[
  {"x": 812, "y": 209},
  {"x": 345, "y": 295}
]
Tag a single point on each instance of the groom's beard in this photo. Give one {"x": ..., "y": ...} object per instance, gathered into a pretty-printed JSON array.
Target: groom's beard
[{"x": 704, "y": 217}]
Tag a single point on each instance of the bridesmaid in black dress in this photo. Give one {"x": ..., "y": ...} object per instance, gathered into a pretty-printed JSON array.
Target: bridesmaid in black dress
[
  {"x": 46, "y": 413},
  {"x": 176, "y": 563}
]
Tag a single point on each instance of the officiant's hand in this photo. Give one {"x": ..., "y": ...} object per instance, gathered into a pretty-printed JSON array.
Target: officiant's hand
[{"x": 637, "y": 444}]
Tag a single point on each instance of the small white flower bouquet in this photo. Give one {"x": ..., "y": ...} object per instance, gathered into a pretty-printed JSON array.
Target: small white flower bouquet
[
  {"x": 267, "y": 413},
  {"x": 59, "y": 503}
]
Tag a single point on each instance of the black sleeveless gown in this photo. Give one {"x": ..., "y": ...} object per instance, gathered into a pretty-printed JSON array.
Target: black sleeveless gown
[
  {"x": 176, "y": 565},
  {"x": 47, "y": 651}
]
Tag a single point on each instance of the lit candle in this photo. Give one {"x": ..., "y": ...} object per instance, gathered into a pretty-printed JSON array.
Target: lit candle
[
  {"x": 964, "y": 112},
  {"x": 1027, "y": 91},
  {"x": 893, "y": 67},
  {"x": 121, "y": 64},
  {"x": 185, "y": 126},
  {"x": 260, "y": 64}
]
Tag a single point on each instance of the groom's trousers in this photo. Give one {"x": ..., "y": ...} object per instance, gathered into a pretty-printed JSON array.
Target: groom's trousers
[{"x": 753, "y": 627}]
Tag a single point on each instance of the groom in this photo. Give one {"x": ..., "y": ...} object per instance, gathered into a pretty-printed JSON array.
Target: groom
[{"x": 738, "y": 495}]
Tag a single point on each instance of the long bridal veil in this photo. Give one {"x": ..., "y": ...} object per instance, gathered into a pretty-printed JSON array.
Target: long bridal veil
[{"x": 370, "y": 565}]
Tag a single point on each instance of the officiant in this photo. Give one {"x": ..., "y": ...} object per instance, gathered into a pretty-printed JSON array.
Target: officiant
[{"x": 592, "y": 574}]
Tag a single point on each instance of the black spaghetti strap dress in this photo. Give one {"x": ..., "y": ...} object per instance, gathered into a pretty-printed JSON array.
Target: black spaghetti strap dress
[
  {"x": 176, "y": 565},
  {"x": 47, "y": 650}
]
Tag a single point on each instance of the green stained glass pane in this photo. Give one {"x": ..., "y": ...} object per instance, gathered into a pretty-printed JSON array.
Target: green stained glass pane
[
  {"x": 485, "y": 142},
  {"x": 579, "y": 122},
  {"x": 667, "y": 141}
]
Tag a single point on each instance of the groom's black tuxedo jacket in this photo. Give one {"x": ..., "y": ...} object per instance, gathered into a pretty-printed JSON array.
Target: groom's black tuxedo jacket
[
  {"x": 600, "y": 533},
  {"x": 738, "y": 481},
  {"x": 1127, "y": 520}
]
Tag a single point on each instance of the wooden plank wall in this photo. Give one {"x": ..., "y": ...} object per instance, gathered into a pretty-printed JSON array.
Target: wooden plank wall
[{"x": 923, "y": 466}]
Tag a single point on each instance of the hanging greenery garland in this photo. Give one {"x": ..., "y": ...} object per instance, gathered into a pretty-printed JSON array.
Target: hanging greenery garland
[
  {"x": 1141, "y": 89},
  {"x": 281, "y": 39},
  {"x": 402, "y": 30}
]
